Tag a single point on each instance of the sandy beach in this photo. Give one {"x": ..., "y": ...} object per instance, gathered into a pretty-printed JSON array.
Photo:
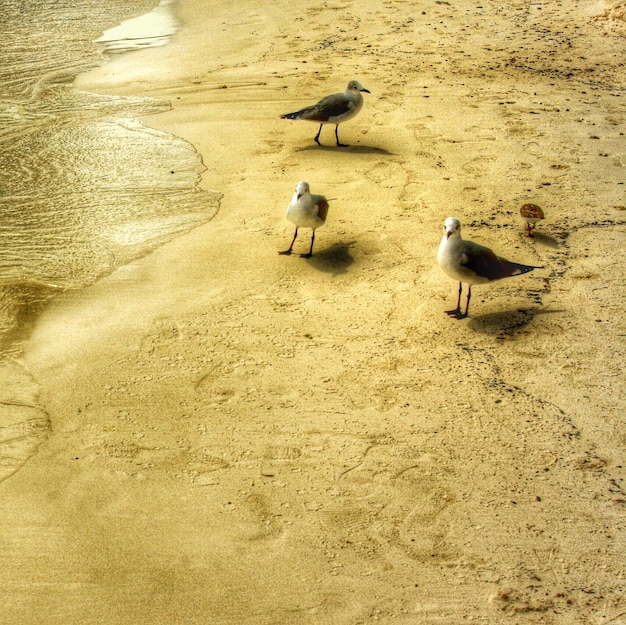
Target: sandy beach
[{"x": 240, "y": 437}]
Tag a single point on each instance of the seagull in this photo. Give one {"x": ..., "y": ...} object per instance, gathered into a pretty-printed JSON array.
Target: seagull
[
  {"x": 306, "y": 211},
  {"x": 472, "y": 263},
  {"x": 531, "y": 214},
  {"x": 333, "y": 109}
]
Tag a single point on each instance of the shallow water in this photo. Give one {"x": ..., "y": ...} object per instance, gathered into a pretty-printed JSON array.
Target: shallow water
[
  {"x": 84, "y": 186},
  {"x": 146, "y": 31}
]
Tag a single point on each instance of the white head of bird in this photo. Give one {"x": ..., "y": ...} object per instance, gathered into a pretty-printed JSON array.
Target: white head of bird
[
  {"x": 301, "y": 189},
  {"x": 451, "y": 228}
]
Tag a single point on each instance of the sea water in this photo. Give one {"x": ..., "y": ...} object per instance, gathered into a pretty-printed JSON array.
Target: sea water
[{"x": 84, "y": 186}]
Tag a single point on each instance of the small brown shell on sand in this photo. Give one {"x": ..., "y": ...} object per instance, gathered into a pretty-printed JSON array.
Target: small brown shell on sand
[{"x": 531, "y": 212}]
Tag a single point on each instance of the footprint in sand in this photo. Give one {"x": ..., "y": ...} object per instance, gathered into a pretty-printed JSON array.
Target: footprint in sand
[
  {"x": 416, "y": 519},
  {"x": 388, "y": 174},
  {"x": 480, "y": 166},
  {"x": 403, "y": 506},
  {"x": 254, "y": 518}
]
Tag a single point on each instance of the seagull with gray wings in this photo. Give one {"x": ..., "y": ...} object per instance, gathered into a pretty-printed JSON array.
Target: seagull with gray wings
[
  {"x": 306, "y": 210},
  {"x": 333, "y": 109},
  {"x": 472, "y": 263}
]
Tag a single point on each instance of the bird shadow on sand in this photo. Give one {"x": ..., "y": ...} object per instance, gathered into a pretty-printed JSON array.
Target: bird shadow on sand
[
  {"x": 349, "y": 149},
  {"x": 544, "y": 239},
  {"x": 334, "y": 259},
  {"x": 506, "y": 323}
]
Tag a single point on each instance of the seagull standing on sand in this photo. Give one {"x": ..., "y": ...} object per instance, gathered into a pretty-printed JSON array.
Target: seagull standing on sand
[
  {"x": 472, "y": 263},
  {"x": 306, "y": 211},
  {"x": 531, "y": 214},
  {"x": 333, "y": 109}
]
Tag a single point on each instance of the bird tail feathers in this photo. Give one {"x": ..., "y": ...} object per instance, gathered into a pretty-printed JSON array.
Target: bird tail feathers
[
  {"x": 305, "y": 113},
  {"x": 517, "y": 270}
]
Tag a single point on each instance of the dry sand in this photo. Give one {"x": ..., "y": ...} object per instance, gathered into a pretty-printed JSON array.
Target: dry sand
[{"x": 246, "y": 438}]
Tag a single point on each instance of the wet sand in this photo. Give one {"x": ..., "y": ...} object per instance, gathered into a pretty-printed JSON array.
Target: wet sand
[{"x": 242, "y": 437}]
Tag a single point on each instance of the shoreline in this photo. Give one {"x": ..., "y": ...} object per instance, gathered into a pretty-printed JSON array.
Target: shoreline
[
  {"x": 38, "y": 263},
  {"x": 219, "y": 410}
]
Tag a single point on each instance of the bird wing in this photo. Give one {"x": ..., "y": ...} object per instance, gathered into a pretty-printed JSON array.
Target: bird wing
[
  {"x": 332, "y": 106},
  {"x": 322, "y": 209},
  {"x": 486, "y": 264}
]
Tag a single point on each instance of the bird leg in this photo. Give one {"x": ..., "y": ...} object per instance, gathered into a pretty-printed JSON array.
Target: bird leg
[
  {"x": 469, "y": 296},
  {"x": 317, "y": 136},
  {"x": 456, "y": 312},
  {"x": 311, "y": 248},
  {"x": 340, "y": 145},
  {"x": 287, "y": 252}
]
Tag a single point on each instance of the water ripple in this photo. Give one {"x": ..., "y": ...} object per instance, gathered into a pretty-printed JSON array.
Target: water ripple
[{"x": 84, "y": 186}]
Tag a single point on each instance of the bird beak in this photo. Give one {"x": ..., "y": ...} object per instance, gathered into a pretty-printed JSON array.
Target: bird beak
[
  {"x": 448, "y": 233},
  {"x": 299, "y": 195},
  {"x": 364, "y": 90}
]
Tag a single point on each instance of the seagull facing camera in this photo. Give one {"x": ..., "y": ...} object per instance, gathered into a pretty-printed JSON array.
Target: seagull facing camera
[{"x": 306, "y": 210}]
